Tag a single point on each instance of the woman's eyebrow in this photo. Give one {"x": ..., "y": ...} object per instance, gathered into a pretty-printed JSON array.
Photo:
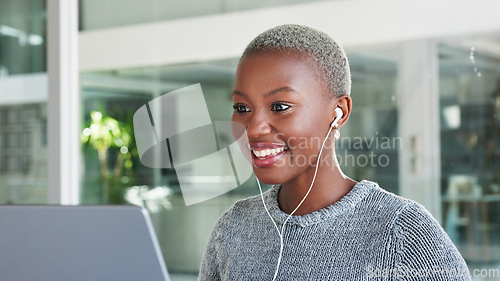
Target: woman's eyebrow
[
  {"x": 279, "y": 90},
  {"x": 238, "y": 93}
]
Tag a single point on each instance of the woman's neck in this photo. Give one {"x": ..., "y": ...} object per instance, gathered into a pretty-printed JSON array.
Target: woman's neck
[{"x": 330, "y": 185}]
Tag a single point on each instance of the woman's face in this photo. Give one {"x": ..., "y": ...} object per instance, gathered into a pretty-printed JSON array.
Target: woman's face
[{"x": 283, "y": 105}]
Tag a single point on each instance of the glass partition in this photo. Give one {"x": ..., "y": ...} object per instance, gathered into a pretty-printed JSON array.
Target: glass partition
[
  {"x": 369, "y": 144},
  {"x": 23, "y": 41},
  {"x": 95, "y": 14},
  {"x": 470, "y": 140},
  {"x": 23, "y": 96}
]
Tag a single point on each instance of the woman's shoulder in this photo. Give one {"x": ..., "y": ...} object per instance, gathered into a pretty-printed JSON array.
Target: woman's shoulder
[
  {"x": 404, "y": 217},
  {"x": 242, "y": 210},
  {"x": 396, "y": 211},
  {"x": 381, "y": 202},
  {"x": 419, "y": 240}
]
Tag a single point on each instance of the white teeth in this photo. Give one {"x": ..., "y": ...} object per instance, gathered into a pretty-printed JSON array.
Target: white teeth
[{"x": 265, "y": 152}]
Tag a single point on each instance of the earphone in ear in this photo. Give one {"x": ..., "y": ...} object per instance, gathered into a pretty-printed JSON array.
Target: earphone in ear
[
  {"x": 337, "y": 118},
  {"x": 282, "y": 232}
]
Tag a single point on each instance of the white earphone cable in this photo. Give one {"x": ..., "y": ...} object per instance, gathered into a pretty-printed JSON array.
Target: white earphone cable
[{"x": 282, "y": 233}]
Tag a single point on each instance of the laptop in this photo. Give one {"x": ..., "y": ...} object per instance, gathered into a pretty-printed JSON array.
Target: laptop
[{"x": 91, "y": 243}]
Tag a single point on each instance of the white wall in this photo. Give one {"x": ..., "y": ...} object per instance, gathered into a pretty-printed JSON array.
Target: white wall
[
  {"x": 354, "y": 24},
  {"x": 25, "y": 88}
]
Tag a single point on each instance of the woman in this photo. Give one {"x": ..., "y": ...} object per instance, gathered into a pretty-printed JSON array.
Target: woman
[{"x": 292, "y": 88}]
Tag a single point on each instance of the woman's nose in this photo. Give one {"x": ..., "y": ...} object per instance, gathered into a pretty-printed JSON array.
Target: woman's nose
[{"x": 258, "y": 126}]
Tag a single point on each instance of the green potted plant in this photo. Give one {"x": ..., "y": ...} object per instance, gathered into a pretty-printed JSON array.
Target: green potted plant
[{"x": 110, "y": 137}]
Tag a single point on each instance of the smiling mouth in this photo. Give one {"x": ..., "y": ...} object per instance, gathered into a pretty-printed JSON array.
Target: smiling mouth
[
  {"x": 267, "y": 153},
  {"x": 266, "y": 157}
]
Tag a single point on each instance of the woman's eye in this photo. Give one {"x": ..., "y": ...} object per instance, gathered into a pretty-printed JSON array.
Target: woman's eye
[
  {"x": 240, "y": 108},
  {"x": 276, "y": 107}
]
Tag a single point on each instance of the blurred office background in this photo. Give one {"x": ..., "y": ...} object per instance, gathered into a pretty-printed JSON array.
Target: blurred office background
[{"x": 425, "y": 125}]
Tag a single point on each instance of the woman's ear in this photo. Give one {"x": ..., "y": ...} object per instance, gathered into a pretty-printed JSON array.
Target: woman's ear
[{"x": 345, "y": 104}]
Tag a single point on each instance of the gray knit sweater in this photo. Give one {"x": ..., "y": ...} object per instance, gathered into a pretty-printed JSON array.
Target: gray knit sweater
[{"x": 370, "y": 234}]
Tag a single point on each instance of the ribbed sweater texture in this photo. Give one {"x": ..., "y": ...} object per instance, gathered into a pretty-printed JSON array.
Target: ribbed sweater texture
[{"x": 370, "y": 234}]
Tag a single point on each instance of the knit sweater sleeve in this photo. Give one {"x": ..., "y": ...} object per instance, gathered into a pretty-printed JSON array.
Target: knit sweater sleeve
[
  {"x": 209, "y": 269},
  {"x": 423, "y": 250}
]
